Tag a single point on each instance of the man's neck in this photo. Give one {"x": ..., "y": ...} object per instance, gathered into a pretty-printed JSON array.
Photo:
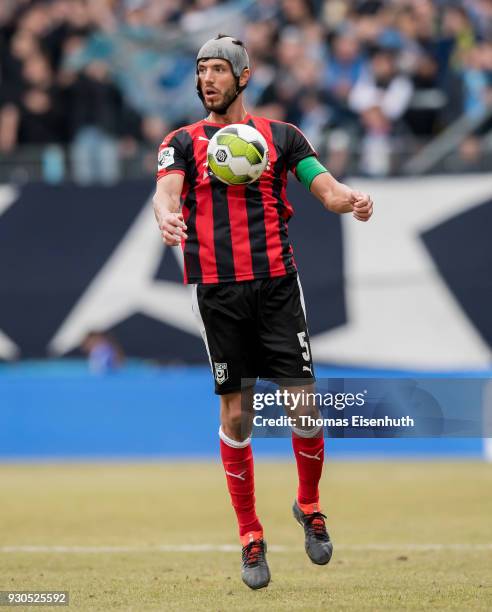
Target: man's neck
[{"x": 235, "y": 114}]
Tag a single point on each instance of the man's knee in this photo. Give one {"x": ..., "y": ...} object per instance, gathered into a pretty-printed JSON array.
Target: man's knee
[
  {"x": 303, "y": 410},
  {"x": 302, "y": 401},
  {"x": 235, "y": 415},
  {"x": 230, "y": 407}
]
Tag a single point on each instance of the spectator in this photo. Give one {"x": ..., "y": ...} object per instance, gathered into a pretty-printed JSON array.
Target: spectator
[
  {"x": 343, "y": 69},
  {"x": 32, "y": 116},
  {"x": 282, "y": 93},
  {"x": 344, "y": 66},
  {"x": 96, "y": 107},
  {"x": 380, "y": 96},
  {"x": 480, "y": 12},
  {"x": 456, "y": 39},
  {"x": 428, "y": 99},
  {"x": 39, "y": 119},
  {"x": 313, "y": 111},
  {"x": 23, "y": 46},
  {"x": 104, "y": 353},
  {"x": 152, "y": 128},
  {"x": 259, "y": 40},
  {"x": 296, "y": 12},
  {"x": 477, "y": 82}
]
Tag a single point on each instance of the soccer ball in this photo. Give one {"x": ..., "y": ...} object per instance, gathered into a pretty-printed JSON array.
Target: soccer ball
[{"x": 237, "y": 154}]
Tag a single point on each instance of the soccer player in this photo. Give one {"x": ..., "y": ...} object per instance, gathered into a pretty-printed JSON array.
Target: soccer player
[{"x": 246, "y": 293}]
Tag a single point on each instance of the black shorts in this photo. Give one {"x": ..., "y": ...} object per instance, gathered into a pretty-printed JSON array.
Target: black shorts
[{"x": 254, "y": 329}]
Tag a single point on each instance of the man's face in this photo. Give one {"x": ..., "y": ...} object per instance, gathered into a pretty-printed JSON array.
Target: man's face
[
  {"x": 383, "y": 65},
  {"x": 217, "y": 83}
]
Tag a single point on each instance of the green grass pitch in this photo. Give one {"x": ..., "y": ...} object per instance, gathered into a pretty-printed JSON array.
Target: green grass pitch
[{"x": 408, "y": 536}]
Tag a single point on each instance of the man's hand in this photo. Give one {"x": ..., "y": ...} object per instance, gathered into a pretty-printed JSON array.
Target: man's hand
[
  {"x": 362, "y": 206},
  {"x": 172, "y": 228},
  {"x": 340, "y": 198}
]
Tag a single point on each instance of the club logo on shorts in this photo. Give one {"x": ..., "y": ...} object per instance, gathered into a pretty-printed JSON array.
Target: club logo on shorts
[{"x": 221, "y": 374}]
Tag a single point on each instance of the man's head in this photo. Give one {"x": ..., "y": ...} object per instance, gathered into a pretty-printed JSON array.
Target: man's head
[{"x": 222, "y": 72}]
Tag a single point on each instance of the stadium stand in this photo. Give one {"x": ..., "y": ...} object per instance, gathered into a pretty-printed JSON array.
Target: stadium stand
[{"x": 370, "y": 82}]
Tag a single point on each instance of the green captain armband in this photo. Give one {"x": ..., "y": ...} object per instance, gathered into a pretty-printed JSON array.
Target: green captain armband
[{"x": 307, "y": 169}]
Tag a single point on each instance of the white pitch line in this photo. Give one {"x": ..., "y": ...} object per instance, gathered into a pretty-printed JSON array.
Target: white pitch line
[
  {"x": 415, "y": 547},
  {"x": 199, "y": 548}
]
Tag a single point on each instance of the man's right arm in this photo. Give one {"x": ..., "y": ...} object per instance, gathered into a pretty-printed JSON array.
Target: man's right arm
[{"x": 167, "y": 203}]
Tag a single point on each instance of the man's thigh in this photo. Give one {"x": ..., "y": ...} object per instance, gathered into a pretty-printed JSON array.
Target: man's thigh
[
  {"x": 283, "y": 333},
  {"x": 229, "y": 331}
]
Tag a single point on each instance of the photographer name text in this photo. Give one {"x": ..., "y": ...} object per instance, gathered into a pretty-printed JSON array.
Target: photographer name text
[{"x": 355, "y": 420}]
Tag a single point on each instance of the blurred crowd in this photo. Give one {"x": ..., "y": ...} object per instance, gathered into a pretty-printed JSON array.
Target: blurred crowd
[
  {"x": 47, "y": 98},
  {"x": 104, "y": 80}
]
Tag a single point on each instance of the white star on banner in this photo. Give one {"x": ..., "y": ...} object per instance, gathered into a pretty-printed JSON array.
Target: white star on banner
[
  {"x": 400, "y": 312},
  {"x": 126, "y": 285}
]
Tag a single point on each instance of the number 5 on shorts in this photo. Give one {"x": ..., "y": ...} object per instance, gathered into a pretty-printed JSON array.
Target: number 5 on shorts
[{"x": 302, "y": 341}]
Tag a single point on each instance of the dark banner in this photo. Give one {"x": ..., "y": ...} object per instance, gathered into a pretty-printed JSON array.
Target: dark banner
[
  {"x": 62, "y": 245},
  {"x": 410, "y": 289}
]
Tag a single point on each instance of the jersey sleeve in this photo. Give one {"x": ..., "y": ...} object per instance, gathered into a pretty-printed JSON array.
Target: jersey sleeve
[
  {"x": 298, "y": 147},
  {"x": 172, "y": 155}
]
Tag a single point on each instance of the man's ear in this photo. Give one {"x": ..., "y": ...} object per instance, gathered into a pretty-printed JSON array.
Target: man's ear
[{"x": 244, "y": 78}]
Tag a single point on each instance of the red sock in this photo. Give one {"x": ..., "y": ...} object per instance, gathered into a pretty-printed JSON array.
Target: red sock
[
  {"x": 239, "y": 470},
  {"x": 309, "y": 453}
]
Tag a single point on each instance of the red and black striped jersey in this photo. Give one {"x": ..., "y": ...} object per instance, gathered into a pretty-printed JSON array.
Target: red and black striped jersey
[{"x": 235, "y": 232}]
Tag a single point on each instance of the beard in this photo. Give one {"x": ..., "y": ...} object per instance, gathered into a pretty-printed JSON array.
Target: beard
[{"x": 220, "y": 107}]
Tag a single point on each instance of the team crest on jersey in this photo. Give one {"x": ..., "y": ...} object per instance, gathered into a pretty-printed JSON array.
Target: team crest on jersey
[
  {"x": 221, "y": 374},
  {"x": 166, "y": 157}
]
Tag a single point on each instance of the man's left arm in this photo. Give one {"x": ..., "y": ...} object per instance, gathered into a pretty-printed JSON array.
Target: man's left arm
[
  {"x": 340, "y": 198},
  {"x": 336, "y": 197}
]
